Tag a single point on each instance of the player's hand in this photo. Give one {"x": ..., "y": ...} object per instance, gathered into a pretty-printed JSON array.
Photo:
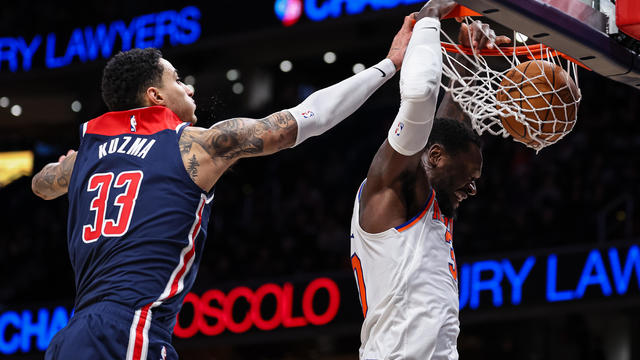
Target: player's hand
[
  {"x": 62, "y": 157},
  {"x": 400, "y": 41},
  {"x": 480, "y": 36},
  {"x": 436, "y": 9}
]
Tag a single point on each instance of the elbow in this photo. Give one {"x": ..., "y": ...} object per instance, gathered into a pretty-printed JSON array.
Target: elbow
[{"x": 36, "y": 189}]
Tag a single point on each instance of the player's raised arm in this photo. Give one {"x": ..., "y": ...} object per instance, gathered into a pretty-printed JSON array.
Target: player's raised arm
[
  {"x": 399, "y": 155},
  {"x": 53, "y": 180},
  {"x": 232, "y": 139}
]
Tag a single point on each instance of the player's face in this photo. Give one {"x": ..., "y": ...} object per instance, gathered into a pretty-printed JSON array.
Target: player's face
[
  {"x": 453, "y": 177},
  {"x": 177, "y": 96}
]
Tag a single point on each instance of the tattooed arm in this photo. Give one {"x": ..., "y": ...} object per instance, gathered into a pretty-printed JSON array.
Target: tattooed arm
[
  {"x": 53, "y": 180},
  {"x": 243, "y": 137},
  {"x": 208, "y": 153}
]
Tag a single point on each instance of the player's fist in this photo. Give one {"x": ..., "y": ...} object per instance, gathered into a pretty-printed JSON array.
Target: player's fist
[
  {"x": 480, "y": 36},
  {"x": 401, "y": 41}
]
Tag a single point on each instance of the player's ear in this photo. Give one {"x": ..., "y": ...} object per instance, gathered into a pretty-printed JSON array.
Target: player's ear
[
  {"x": 153, "y": 96},
  {"x": 435, "y": 154}
]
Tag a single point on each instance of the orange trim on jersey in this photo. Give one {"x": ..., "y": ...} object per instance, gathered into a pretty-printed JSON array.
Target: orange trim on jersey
[
  {"x": 436, "y": 212},
  {"x": 417, "y": 218},
  {"x": 356, "y": 265}
]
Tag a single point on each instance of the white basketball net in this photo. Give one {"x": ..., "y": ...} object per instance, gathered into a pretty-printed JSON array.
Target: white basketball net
[{"x": 475, "y": 86}]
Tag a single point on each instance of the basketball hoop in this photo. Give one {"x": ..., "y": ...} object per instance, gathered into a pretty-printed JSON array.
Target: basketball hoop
[{"x": 526, "y": 102}]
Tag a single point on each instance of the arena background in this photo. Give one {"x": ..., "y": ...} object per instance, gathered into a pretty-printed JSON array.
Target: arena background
[{"x": 547, "y": 251}]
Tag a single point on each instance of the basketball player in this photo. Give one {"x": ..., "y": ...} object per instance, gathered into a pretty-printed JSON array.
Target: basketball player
[
  {"x": 402, "y": 224},
  {"x": 140, "y": 192}
]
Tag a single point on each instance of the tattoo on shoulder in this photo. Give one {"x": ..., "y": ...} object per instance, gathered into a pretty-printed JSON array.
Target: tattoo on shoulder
[
  {"x": 186, "y": 141},
  {"x": 185, "y": 147},
  {"x": 192, "y": 168}
]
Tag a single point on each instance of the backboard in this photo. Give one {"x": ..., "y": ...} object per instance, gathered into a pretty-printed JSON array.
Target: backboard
[{"x": 585, "y": 30}]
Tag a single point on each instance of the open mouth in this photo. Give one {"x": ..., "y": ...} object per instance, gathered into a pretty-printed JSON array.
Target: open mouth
[{"x": 460, "y": 195}]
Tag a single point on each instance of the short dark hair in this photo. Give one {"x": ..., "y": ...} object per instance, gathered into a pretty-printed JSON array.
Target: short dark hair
[
  {"x": 127, "y": 75},
  {"x": 455, "y": 136}
]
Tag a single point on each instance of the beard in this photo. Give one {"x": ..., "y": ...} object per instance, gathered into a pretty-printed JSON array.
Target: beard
[{"x": 445, "y": 203}]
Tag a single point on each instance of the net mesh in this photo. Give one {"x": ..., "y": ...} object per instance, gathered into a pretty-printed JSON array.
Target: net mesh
[{"x": 537, "y": 109}]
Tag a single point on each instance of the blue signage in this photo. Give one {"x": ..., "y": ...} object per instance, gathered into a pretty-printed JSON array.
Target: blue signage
[
  {"x": 501, "y": 282},
  {"x": 288, "y": 11},
  {"x": 86, "y": 44},
  {"x": 18, "y": 329}
]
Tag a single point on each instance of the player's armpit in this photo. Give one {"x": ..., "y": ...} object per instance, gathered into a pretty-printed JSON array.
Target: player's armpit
[
  {"x": 382, "y": 201},
  {"x": 53, "y": 180},
  {"x": 389, "y": 165}
]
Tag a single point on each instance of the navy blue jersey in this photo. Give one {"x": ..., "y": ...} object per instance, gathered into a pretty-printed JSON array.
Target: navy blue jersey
[{"x": 137, "y": 222}]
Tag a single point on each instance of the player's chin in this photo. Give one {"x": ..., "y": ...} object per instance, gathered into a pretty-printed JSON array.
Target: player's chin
[
  {"x": 454, "y": 208},
  {"x": 191, "y": 115},
  {"x": 449, "y": 208}
]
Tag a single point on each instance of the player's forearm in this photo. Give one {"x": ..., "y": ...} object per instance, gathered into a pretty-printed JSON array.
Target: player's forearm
[
  {"x": 327, "y": 107},
  {"x": 419, "y": 85},
  {"x": 451, "y": 110},
  {"x": 448, "y": 108},
  {"x": 48, "y": 184},
  {"x": 322, "y": 110}
]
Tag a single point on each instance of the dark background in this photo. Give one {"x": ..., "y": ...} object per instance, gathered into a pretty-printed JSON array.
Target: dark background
[{"x": 289, "y": 214}]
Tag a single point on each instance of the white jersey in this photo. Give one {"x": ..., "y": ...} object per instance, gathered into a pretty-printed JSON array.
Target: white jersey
[{"x": 407, "y": 280}]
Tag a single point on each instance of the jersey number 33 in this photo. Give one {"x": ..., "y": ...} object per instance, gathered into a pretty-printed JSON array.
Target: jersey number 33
[{"x": 102, "y": 183}]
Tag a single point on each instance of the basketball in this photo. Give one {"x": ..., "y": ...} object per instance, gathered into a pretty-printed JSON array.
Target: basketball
[{"x": 538, "y": 103}]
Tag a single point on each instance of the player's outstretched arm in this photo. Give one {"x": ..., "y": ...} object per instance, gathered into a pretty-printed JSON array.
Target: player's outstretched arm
[
  {"x": 227, "y": 141},
  {"x": 316, "y": 114},
  {"x": 53, "y": 180}
]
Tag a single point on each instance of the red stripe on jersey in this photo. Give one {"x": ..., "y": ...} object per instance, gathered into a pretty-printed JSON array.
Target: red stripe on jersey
[
  {"x": 189, "y": 254},
  {"x": 143, "y": 121},
  {"x": 139, "y": 342}
]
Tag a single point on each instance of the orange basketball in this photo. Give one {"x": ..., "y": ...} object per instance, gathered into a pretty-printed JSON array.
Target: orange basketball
[{"x": 547, "y": 97}]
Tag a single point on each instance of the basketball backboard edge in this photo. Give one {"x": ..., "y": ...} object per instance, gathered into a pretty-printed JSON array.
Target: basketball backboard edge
[{"x": 580, "y": 33}]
